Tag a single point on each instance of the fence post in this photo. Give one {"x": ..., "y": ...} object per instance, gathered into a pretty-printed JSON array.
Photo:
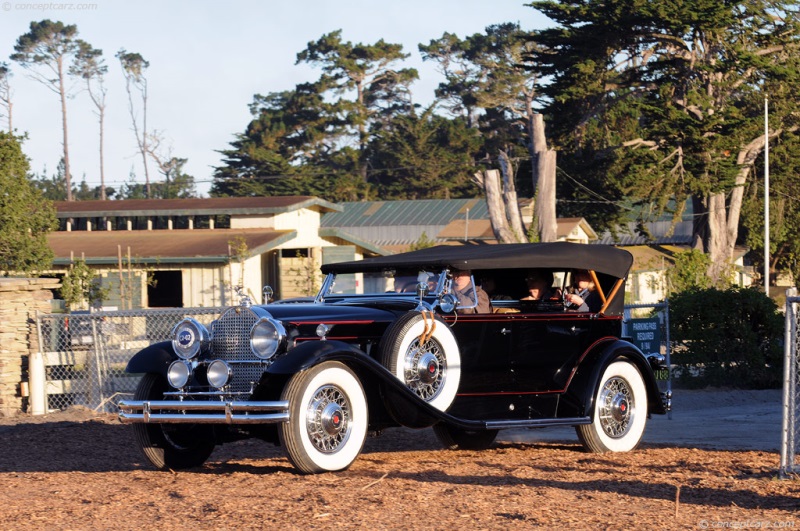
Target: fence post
[
  {"x": 669, "y": 356},
  {"x": 789, "y": 381},
  {"x": 37, "y": 382}
]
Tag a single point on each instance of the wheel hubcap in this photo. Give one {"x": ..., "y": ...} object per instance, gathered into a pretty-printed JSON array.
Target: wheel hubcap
[
  {"x": 428, "y": 369},
  {"x": 615, "y": 407},
  {"x": 327, "y": 419},
  {"x": 425, "y": 369}
]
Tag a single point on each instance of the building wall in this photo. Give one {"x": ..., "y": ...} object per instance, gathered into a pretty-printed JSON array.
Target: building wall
[
  {"x": 647, "y": 287},
  {"x": 252, "y": 221}
]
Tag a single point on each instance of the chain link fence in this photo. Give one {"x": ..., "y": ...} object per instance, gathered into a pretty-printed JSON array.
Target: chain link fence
[
  {"x": 791, "y": 388},
  {"x": 83, "y": 354}
]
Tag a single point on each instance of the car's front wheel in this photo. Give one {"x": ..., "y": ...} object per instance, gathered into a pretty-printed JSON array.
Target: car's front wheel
[
  {"x": 170, "y": 446},
  {"x": 327, "y": 426},
  {"x": 620, "y": 411}
]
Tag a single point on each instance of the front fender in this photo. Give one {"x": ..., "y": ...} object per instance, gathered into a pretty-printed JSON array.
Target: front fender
[
  {"x": 311, "y": 353},
  {"x": 156, "y": 359},
  {"x": 373, "y": 376},
  {"x": 580, "y": 394}
]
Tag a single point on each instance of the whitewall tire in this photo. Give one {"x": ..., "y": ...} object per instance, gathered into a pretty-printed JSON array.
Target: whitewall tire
[
  {"x": 620, "y": 411},
  {"x": 328, "y": 418}
]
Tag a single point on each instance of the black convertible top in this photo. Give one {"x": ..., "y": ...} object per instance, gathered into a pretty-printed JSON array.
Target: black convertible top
[{"x": 600, "y": 258}]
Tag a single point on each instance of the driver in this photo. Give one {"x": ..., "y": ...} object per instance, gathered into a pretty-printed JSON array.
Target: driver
[{"x": 467, "y": 292}]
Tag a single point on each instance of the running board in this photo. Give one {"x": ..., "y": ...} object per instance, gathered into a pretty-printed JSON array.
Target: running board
[{"x": 535, "y": 423}]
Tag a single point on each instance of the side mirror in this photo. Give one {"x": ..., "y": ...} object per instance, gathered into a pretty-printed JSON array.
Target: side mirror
[{"x": 267, "y": 293}]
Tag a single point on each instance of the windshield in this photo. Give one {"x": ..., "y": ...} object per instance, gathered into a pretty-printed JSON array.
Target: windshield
[
  {"x": 401, "y": 283},
  {"x": 385, "y": 283}
]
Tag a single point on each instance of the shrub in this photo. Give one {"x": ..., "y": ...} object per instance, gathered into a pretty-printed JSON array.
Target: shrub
[{"x": 730, "y": 337}]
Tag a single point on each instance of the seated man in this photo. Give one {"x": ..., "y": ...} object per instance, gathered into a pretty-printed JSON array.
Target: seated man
[
  {"x": 540, "y": 286},
  {"x": 467, "y": 293}
]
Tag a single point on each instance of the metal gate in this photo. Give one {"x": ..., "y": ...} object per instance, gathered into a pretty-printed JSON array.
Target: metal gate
[
  {"x": 791, "y": 388},
  {"x": 83, "y": 355}
]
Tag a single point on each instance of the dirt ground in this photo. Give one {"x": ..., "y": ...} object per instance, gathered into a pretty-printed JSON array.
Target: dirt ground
[{"x": 80, "y": 470}]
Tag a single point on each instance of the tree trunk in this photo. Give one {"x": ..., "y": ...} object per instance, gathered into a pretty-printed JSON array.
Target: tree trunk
[
  {"x": 510, "y": 200},
  {"x": 144, "y": 141},
  {"x": 718, "y": 229},
  {"x": 490, "y": 182},
  {"x": 102, "y": 165},
  {"x": 63, "y": 93},
  {"x": 544, "y": 182},
  {"x": 545, "y": 199}
]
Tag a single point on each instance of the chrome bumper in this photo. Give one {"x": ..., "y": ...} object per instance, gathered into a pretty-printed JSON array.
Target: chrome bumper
[{"x": 203, "y": 412}]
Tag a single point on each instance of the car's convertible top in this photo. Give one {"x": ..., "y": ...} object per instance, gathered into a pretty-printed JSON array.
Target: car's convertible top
[{"x": 600, "y": 258}]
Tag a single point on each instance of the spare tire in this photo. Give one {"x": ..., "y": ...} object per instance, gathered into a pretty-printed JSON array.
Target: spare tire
[{"x": 432, "y": 370}]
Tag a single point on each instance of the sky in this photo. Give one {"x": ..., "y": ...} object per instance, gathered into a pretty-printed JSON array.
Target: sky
[{"x": 207, "y": 61}]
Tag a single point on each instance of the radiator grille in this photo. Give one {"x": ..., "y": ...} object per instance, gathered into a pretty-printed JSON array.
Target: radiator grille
[{"x": 230, "y": 341}]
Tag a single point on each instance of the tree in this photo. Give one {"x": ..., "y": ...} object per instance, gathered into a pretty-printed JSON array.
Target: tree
[
  {"x": 663, "y": 101},
  {"x": 133, "y": 67},
  {"x": 176, "y": 183},
  {"x": 54, "y": 187},
  {"x": 423, "y": 242},
  {"x": 784, "y": 210},
  {"x": 82, "y": 285},
  {"x": 366, "y": 72},
  {"x": 291, "y": 147},
  {"x": 89, "y": 66},
  {"x": 423, "y": 157},
  {"x": 5, "y": 94},
  {"x": 48, "y": 46},
  {"x": 486, "y": 72},
  {"x": 25, "y": 216}
]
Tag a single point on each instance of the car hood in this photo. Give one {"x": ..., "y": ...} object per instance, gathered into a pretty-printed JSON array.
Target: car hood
[{"x": 321, "y": 312}]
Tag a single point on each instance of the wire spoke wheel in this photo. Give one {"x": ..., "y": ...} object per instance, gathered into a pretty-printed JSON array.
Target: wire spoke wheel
[
  {"x": 614, "y": 407},
  {"x": 425, "y": 368},
  {"x": 620, "y": 411},
  {"x": 328, "y": 421}
]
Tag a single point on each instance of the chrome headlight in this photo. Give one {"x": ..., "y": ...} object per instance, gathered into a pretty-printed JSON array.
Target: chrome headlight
[
  {"x": 189, "y": 337},
  {"x": 218, "y": 373},
  {"x": 267, "y": 337},
  {"x": 179, "y": 373}
]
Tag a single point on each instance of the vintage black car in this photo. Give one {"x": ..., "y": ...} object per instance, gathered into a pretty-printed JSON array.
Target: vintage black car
[{"x": 388, "y": 342}]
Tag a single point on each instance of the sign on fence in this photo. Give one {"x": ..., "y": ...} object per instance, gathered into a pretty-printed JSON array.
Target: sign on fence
[{"x": 646, "y": 334}]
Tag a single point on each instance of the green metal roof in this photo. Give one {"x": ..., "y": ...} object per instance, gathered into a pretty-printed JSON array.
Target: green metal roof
[{"x": 405, "y": 212}]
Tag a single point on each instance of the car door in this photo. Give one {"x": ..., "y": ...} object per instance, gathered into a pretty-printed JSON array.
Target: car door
[
  {"x": 485, "y": 344},
  {"x": 545, "y": 348}
]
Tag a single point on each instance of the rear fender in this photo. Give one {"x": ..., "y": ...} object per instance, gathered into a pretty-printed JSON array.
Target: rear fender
[
  {"x": 156, "y": 359},
  {"x": 579, "y": 397}
]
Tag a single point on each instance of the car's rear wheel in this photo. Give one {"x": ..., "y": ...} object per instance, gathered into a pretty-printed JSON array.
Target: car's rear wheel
[
  {"x": 328, "y": 421},
  {"x": 455, "y": 438},
  {"x": 170, "y": 446},
  {"x": 423, "y": 354},
  {"x": 620, "y": 411}
]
